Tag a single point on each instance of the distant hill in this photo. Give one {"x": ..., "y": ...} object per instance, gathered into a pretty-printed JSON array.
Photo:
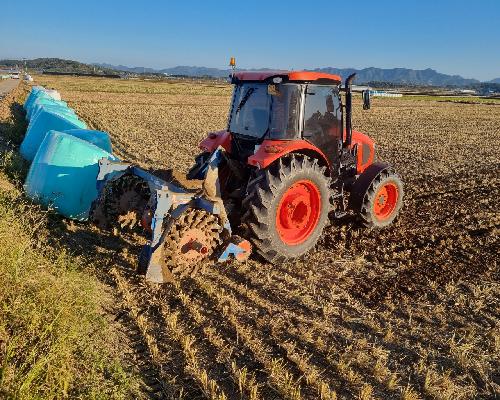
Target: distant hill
[
  {"x": 180, "y": 70},
  {"x": 196, "y": 71},
  {"x": 135, "y": 70},
  {"x": 426, "y": 77},
  {"x": 496, "y": 80},
  {"x": 398, "y": 76},
  {"x": 58, "y": 65}
]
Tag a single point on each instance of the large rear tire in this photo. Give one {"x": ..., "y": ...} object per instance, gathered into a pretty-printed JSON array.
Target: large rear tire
[{"x": 287, "y": 208}]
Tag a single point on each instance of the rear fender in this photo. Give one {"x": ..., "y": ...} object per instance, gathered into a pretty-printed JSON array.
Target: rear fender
[
  {"x": 361, "y": 185},
  {"x": 271, "y": 150},
  {"x": 366, "y": 150}
]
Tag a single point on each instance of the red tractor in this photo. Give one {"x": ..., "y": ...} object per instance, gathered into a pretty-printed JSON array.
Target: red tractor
[
  {"x": 292, "y": 160},
  {"x": 287, "y": 162}
]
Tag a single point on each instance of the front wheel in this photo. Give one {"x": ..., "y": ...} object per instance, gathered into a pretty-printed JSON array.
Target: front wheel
[
  {"x": 287, "y": 208},
  {"x": 383, "y": 200}
]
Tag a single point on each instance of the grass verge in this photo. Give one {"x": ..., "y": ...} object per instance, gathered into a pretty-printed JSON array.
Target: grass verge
[
  {"x": 456, "y": 99},
  {"x": 56, "y": 338}
]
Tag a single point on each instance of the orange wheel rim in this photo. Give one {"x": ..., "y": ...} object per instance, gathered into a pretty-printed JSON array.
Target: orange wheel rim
[
  {"x": 385, "y": 201},
  {"x": 298, "y": 212}
]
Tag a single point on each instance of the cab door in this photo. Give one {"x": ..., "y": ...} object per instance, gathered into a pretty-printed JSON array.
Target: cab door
[{"x": 322, "y": 120}]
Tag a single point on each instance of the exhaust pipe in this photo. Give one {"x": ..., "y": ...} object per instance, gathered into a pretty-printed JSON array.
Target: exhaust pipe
[{"x": 348, "y": 110}]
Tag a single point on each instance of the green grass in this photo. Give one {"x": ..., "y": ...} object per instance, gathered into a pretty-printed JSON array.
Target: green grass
[
  {"x": 53, "y": 335},
  {"x": 454, "y": 99},
  {"x": 56, "y": 339},
  {"x": 13, "y": 165}
]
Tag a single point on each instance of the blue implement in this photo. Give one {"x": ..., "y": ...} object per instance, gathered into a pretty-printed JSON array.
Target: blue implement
[{"x": 168, "y": 206}]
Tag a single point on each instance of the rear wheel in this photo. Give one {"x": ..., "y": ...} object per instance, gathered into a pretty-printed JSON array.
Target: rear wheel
[{"x": 287, "y": 208}]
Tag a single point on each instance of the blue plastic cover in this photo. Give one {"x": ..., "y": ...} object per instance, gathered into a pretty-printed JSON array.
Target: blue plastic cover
[
  {"x": 35, "y": 91},
  {"x": 68, "y": 113},
  {"x": 42, "y": 100},
  {"x": 39, "y": 95},
  {"x": 63, "y": 174},
  {"x": 45, "y": 122},
  {"x": 97, "y": 138},
  {"x": 38, "y": 106},
  {"x": 32, "y": 99}
]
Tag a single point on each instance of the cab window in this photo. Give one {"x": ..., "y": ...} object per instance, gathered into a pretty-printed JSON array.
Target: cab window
[
  {"x": 322, "y": 111},
  {"x": 285, "y": 107}
]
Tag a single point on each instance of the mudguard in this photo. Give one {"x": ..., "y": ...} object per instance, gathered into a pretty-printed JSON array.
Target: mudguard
[{"x": 360, "y": 186}]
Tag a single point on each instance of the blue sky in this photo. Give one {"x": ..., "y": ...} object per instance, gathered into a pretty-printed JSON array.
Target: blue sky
[{"x": 451, "y": 36}]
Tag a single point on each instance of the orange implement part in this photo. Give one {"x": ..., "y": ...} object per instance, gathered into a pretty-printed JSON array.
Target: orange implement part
[
  {"x": 216, "y": 139},
  {"x": 247, "y": 246},
  {"x": 298, "y": 212}
]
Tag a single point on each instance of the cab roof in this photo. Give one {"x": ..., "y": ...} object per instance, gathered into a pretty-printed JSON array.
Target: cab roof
[{"x": 296, "y": 76}]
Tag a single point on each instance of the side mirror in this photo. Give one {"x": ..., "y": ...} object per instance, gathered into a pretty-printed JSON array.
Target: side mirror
[{"x": 366, "y": 99}]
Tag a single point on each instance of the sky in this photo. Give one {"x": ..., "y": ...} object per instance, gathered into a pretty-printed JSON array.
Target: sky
[{"x": 452, "y": 36}]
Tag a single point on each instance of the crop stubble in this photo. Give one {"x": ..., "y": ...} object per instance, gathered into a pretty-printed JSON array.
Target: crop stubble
[{"x": 408, "y": 312}]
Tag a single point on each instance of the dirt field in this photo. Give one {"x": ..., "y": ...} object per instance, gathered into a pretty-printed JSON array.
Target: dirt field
[{"x": 409, "y": 312}]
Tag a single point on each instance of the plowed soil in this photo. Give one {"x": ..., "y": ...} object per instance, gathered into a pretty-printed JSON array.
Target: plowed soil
[{"x": 408, "y": 312}]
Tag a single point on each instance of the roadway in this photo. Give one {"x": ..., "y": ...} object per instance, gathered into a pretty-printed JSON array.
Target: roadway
[{"x": 6, "y": 85}]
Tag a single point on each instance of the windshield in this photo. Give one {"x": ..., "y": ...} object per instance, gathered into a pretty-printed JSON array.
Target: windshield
[{"x": 256, "y": 113}]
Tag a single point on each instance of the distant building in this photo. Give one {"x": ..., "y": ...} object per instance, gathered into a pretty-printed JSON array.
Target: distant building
[
  {"x": 383, "y": 93},
  {"x": 360, "y": 88},
  {"x": 8, "y": 71}
]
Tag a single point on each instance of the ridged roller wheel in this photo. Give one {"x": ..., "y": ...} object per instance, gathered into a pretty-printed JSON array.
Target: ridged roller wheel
[
  {"x": 125, "y": 201},
  {"x": 190, "y": 241}
]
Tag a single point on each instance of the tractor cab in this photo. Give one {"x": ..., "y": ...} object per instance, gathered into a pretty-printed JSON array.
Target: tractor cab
[
  {"x": 274, "y": 113},
  {"x": 286, "y": 106}
]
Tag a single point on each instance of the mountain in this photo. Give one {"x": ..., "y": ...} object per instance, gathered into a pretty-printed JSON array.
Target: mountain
[
  {"x": 57, "y": 65},
  {"x": 425, "y": 77},
  {"x": 496, "y": 80},
  {"x": 398, "y": 76},
  {"x": 135, "y": 70},
  {"x": 179, "y": 70},
  {"x": 196, "y": 71}
]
